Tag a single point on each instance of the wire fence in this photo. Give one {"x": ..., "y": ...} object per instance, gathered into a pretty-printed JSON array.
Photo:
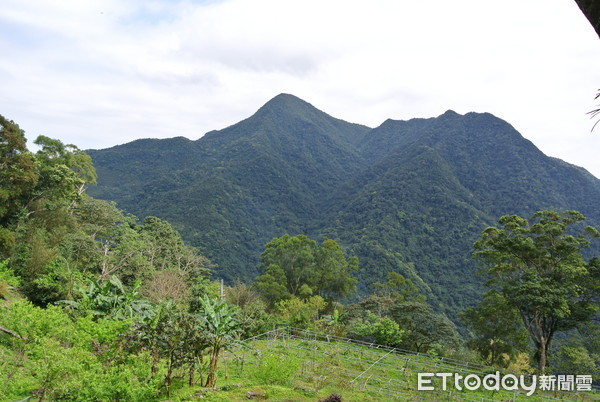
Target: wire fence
[{"x": 390, "y": 372}]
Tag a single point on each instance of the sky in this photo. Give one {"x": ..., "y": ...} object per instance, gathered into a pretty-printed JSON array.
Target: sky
[{"x": 98, "y": 73}]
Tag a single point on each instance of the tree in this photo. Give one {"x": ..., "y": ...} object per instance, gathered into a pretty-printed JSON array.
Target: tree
[
  {"x": 425, "y": 330},
  {"x": 17, "y": 168},
  {"x": 173, "y": 335},
  {"x": 294, "y": 255},
  {"x": 399, "y": 288},
  {"x": 272, "y": 285},
  {"x": 579, "y": 352},
  {"x": 498, "y": 332},
  {"x": 298, "y": 266},
  {"x": 64, "y": 171},
  {"x": 37, "y": 210},
  {"x": 251, "y": 312},
  {"x": 332, "y": 278},
  {"x": 381, "y": 330},
  {"x": 419, "y": 327},
  {"x": 301, "y": 313},
  {"x": 539, "y": 269},
  {"x": 18, "y": 177}
]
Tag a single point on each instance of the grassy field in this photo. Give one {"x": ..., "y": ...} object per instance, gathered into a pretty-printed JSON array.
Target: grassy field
[{"x": 296, "y": 365}]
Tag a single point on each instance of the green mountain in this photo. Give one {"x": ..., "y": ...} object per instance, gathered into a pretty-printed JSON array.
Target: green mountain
[{"x": 407, "y": 196}]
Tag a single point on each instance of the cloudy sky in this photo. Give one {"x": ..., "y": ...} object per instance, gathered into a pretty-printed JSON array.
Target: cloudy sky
[{"x": 98, "y": 73}]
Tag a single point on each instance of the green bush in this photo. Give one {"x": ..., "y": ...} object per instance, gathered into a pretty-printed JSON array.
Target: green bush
[
  {"x": 55, "y": 357},
  {"x": 273, "y": 371}
]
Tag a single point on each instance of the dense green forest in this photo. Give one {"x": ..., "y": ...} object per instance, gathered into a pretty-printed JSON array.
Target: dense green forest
[
  {"x": 96, "y": 304},
  {"x": 407, "y": 196}
]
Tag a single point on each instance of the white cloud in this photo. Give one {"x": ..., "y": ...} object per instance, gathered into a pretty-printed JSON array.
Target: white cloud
[{"x": 103, "y": 72}]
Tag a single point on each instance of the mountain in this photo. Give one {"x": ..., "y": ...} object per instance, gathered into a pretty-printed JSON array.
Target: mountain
[
  {"x": 407, "y": 196},
  {"x": 235, "y": 189}
]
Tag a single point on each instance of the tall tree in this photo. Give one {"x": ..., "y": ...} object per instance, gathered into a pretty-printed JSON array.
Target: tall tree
[
  {"x": 18, "y": 177},
  {"x": 424, "y": 329},
  {"x": 538, "y": 267},
  {"x": 294, "y": 255},
  {"x": 498, "y": 334},
  {"x": 298, "y": 266},
  {"x": 332, "y": 277},
  {"x": 64, "y": 172}
]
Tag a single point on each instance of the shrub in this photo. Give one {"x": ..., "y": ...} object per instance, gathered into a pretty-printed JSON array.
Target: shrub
[{"x": 273, "y": 371}]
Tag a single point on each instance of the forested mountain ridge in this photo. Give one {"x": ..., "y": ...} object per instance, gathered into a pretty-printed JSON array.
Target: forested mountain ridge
[
  {"x": 237, "y": 188},
  {"x": 407, "y": 196}
]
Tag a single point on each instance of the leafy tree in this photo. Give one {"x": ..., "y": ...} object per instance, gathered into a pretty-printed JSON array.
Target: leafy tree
[
  {"x": 332, "y": 278},
  {"x": 498, "y": 333},
  {"x": 399, "y": 288},
  {"x": 98, "y": 230},
  {"x": 298, "y": 266},
  {"x": 57, "y": 175},
  {"x": 173, "y": 335},
  {"x": 301, "y": 313},
  {"x": 18, "y": 177},
  {"x": 539, "y": 268},
  {"x": 578, "y": 352},
  {"x": 272, "y": 285},
  {"x": 64, "y": 171},
  {"x": 425, "y": 330},
  {"x": 421, "y": 329},
  {"x": 294, "y": 255},
  {"x": 381, "y": 330}
]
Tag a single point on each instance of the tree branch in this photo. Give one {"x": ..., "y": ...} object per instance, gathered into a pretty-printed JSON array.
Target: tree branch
[{"x": 11, "y": 333}]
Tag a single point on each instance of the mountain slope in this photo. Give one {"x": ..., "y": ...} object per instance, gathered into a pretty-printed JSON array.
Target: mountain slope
[
  {"x": 408, "y": 196},
  {"x": 431, "y": 188},
  {"x": 233, "y": 190}
]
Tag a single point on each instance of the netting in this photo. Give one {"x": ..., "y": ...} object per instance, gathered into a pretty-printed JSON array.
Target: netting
[{"x": 389, "y": 372}]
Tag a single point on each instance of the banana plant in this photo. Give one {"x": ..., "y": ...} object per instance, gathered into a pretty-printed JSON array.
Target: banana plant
[
  {"x": 111, "y": 300},
  {"x": 219, "y": 321}
]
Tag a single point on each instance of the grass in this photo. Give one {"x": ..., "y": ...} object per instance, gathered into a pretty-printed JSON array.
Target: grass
[{"x": 295, "y": 365}]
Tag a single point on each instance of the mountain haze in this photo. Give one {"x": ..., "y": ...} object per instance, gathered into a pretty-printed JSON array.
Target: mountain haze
[{"x": 407, "y": 196}]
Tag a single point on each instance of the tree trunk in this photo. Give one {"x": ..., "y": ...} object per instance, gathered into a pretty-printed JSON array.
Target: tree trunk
[
  {"x": 169, "y": 378},
  {"x": 211, "y": 379},
  {"x": 191, "y": 374},
  {"x": 543, "y": 355}
]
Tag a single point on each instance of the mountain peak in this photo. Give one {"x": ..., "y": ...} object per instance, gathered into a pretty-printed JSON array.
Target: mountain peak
[
  {"x": 449, "y": 113},
  {"x": 285, "y": 97},
  {"x": 287, "y": 103}
]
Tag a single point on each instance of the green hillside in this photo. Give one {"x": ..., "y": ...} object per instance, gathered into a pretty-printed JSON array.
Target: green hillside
[{"x": 408, "y": 196}]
